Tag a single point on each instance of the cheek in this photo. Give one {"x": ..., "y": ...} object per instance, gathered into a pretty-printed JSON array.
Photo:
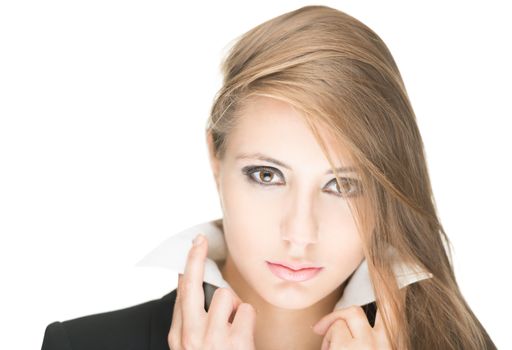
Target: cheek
[
  {"x": 250, "y": 210},
  {"x": 248, "y": 216},
  {"x": 242, "y": 197},
  {"x": 343, "y": 247},
  {"x": 344, "y": 253},
  {"x": 349, "y": 252}
]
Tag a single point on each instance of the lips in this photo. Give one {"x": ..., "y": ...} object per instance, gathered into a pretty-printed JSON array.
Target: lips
[
  {"x": 292, "y": 275},
  {"x": 296, "y": 266}
]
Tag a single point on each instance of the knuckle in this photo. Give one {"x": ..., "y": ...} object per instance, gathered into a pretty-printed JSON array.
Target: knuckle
[
  {"x": 338, "y": 325},
  {"x": 189, "y": 342},
  {"x": 355, "y": 311},
  {"x": 173, "y": 338},
  {"x": 187, "y": 285},
  {"x": 213, "y": 341},
  {"x": 174, "y": 341},
  {"x": 222, "y": 293}
]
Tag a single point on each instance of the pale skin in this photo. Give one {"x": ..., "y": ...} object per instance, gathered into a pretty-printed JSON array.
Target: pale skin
[{"x": 301, "y": 216}]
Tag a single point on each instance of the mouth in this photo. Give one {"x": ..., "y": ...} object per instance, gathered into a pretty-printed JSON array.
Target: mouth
[
  {"x": 295, "y": 266},
  {"x": 293, "y": 275}
]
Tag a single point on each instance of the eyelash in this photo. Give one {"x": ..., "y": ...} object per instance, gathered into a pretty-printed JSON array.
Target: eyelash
[{"x": 250, "y": 170}]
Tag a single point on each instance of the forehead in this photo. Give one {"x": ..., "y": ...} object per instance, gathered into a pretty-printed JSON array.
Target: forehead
[{"x": 274, "y": 127}]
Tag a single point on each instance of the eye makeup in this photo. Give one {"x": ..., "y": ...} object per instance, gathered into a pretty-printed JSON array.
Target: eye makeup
[{"x": 270, "y": 173}]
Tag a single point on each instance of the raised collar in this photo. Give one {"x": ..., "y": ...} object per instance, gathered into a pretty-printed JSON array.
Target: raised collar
[{"x": 172, "y": 254}]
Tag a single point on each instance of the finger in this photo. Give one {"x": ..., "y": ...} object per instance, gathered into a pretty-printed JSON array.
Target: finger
[
  {"x": 192, "y": 293},
  {"x": 236, "y": 303},
  {"x": 377, "y": 326},
  {"x": 354, "y": 316},
  {"x": 244, "y": 322},
  {"x": 339, "y": 334},
  {"x": 234, "y": 295},
  {"x": 326, "y": 341},
  {"x": 322, "y": 326},
  {"x": 176, "y": 314},
  {"x": 176, "y": 323},
  {"x": 381, "y": 336},
  {"x": 222, "y": 306}
]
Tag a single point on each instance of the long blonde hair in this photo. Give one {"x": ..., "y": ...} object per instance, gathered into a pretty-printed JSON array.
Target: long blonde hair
[{"x": 341, "y": 76}]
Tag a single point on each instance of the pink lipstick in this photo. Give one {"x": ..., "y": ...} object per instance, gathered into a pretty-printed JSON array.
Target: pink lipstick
[{"x": 294, "y": 274}]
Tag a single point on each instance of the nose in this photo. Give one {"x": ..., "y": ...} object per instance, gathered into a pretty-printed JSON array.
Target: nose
[{"x": 300, "y": 226}]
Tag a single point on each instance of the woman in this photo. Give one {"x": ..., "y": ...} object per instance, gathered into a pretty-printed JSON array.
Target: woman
[{"x": 320, "y": 166}]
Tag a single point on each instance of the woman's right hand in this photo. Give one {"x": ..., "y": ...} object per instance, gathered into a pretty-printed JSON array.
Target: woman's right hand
[{"x": 194, "y": 328}]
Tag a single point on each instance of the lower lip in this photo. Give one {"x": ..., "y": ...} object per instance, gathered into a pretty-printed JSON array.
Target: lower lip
[{"x": 292, "y": 275}]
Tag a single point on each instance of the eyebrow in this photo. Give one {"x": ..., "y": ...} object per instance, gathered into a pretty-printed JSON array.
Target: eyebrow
[{"x": 266, "y": 158}]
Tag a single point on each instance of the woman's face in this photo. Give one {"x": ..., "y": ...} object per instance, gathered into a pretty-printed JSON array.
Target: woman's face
[{"x": 291, "y": 212}]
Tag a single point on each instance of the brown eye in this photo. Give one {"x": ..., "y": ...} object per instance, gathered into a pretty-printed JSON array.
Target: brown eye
[
  {"x": 347, "y": 187},
  {"x": 265, "y": 176},
  {"x": 262, "y": 175}
]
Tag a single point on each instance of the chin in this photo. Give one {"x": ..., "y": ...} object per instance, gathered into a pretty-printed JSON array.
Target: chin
[{"x": 289, "y": 299}]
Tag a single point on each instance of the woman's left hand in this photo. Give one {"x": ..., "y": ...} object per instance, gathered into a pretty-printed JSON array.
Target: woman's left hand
[{"x": 349, "y": 329}]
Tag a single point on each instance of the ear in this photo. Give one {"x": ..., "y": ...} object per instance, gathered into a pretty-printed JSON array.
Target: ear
[{"x": 214, "y": 161}]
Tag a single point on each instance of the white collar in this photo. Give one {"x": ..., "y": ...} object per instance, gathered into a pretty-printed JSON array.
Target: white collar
[{"x": 172, "y": 254}]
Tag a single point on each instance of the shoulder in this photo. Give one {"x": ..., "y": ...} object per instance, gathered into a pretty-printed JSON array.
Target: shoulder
[{"x": 142, "y": 326}]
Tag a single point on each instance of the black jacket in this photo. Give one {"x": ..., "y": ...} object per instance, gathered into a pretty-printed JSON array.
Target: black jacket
[{"x": 141, "y": 327}]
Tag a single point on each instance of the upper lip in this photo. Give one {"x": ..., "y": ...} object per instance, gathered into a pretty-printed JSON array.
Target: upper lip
[{"x": 296, "y": 266}]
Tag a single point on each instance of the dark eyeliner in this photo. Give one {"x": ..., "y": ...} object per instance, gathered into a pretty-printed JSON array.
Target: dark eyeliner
[
  {"x": 250, "y": 169},
  {"x": 354, "y": 182}
]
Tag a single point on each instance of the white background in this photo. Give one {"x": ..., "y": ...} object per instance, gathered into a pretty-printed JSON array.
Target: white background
[{"x": 103, "y": 106}]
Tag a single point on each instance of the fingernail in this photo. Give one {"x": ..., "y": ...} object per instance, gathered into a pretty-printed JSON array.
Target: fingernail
[{"x": 198, "y": 240}]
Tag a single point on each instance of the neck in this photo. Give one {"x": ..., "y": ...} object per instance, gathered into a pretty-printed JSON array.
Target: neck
[{"x": 276, "y": 327}]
